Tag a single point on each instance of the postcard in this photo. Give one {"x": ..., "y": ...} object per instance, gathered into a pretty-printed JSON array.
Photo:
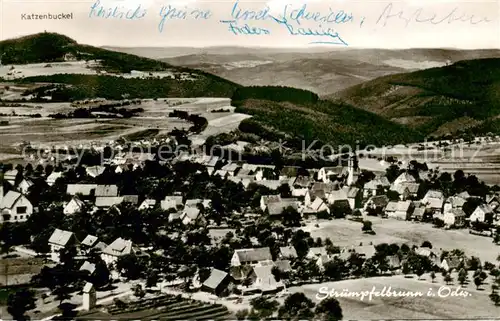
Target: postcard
[{"x": 249, "y": 159}]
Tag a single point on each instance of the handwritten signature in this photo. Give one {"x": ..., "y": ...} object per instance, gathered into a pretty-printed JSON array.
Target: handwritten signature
[
  {"x": 418, "y": 17},
  {"x": 333, "y": 36}
]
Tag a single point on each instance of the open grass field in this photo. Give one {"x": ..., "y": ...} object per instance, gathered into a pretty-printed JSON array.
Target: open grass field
[
  {"x": 348, "y": 233},
  {"x": 475, "y": 305}
]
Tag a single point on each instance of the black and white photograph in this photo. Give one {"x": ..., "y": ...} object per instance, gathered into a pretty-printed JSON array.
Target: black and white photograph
[{"x": 249, "y": 160}]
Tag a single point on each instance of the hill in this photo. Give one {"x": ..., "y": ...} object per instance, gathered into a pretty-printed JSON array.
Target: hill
[
  {"x": 111, "y": 70},
  {"x": 322, "y": 70},
  {"x": 299, "y": 117},
  {"x": 462, "y": 97}
]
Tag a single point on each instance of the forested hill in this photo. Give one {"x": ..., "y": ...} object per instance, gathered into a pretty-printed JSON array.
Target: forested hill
[
  {"x": 52, "y": 48},
  {"x": 294, "y": 115},
  {"x": 459, "y": 98}
]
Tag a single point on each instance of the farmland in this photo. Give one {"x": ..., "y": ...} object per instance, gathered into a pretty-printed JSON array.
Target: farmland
[
  {"x": 164, "y": 307},
  {"x": 348, "y": 233},
  {"x": 46, "y": 131}
]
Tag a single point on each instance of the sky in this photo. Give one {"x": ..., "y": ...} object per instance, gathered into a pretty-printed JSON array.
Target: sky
[{"x": 281, "y": 23}]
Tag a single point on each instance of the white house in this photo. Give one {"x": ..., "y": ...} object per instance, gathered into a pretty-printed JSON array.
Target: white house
[
  {"x": 454, "y": 217},
  {"x": 481, "y": 213},
  {"x": 250, "y": 256},
  {"x": 74, "y": 206},
  {"x": 10, "y": 176},
  {"x": 24, "y": 186},
  {"x": 171, "y": 202},
  {"x": 51, "y": 179},
  {"x": 398, "y": 210},
  {"x": 61, "y": 239},
  {"x": 119, "y": 247},
  {"x": 94, "y": 171},
  {"x": 14, "y": 207},
  {"x": 403, "y": 178},
  {"x": 265, "y": 200},
  {"x": 192, "y": 215},
  {"x": 147, "y": 203}
]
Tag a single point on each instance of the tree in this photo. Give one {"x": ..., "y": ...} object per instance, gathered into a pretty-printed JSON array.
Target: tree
[
  {"x": 297, "y": 306},
  {"x": 329, "y": 310},
  {"x": 426, "y": 244},
  {"x": 263, "y": 307},
  {"x": 19, "y": 302},
  {"x": 367, "y": 227},
  {"x": 448, "y": 279},
  {"x": 462, "y": 276},
  {"x": 151, "y": 279},
  {"x": 406, "y": 269},
  {"x": 478, "y": 281},
  {"x": 433, "y": 276},
  {"x": 139, "y": 291}
]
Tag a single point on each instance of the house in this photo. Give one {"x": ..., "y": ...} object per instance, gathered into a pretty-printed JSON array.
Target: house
[
  {"x": 482, "y": 213},
  {"x": 89, "y": 241},
  {"x": 406, "y": 190},
  {"x": 250, "y": 256},
  {"x": 337, "y": 196},
  {"x": 263, "y": 279},
  {"x": 272, "y": 184},
  {"x": 451, "y": 263},
  {"x": 171, "y": 202},
  {"x": 434, "y": 201},
  {"x": 106, "y": 191},
  {"x": 195, "y": 202},
  {"x": 117, "y": 248},
  {"x": 107, "y": 202},
  {"x": 283, "y": 265},
  {"x": 317, "y": 206},
  {"x": 10, "y": 176},
  {"x": 24, "y": 186},
  {"x": 403, "y": 178},
  {"x": 14, "y": 207},
  {"x": 82, "y": 189},
  {"x": 75, "y": 205},
  {"x": 276, "y": 209},
  {"x": 376, "y": 185},
  {"x": 322, "y": 260},
  {"x": 288, "y": 172},
  {"x": 132, "y": 199},
  {"x": 328, "y": 174},
  {"x": 265, "y": 200},
  {"x": 394, "y": 262},
  {"x": 89, "y": 297},
  {"x": 454, "y": 217},
  {"x": 94, "y": 171},
  {"x": 89, "y": 267},
  {"x": 192, "y": 215},
  {"x": 318, "y": 190},
  {"x": 230, "y": 168},
  {"x": 399, "y": 210},
  {"x": 354, "y": 197},
  {"x": 288, "y": 252},
  {"x": 376, "y": 204},
  {"x": 366, "y": 251},
  {"x": 52, "y": 178},
  {"x": 316, "y": 252},
  {"x": 217, "y": 282},
  {"x": 59, "y": 240},
  {"x": 454, "y": 202},
  {"x": 147, "y": 204},
  {"x": 419, "y": 213}
]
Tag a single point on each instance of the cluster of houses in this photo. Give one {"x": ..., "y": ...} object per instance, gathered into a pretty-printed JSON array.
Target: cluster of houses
[
  {"x": 312, "y": 191},
  {"x": 251, "y": 269},
  {"x": 61, "y": 239}
]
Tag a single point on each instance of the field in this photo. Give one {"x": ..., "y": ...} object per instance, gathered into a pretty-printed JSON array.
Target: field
[
  {"x": 164, "y": 308},
  {"x": 15, "y": 271},
  {"x": 48, "y": 132},
  {"x": 475, "y": 305},
  {"x": 348, "y": 233}
]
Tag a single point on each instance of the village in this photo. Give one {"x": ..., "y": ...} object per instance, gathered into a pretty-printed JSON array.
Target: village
[{"x": 134, "y": 234}]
